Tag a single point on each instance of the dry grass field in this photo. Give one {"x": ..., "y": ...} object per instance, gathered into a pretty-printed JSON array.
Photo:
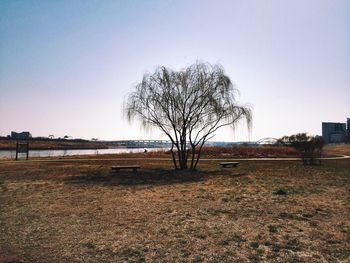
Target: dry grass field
[
  {"x": 247, "y": 151},
  {"x": 262, "y": 211},
  {"x": 332, "y": 149}
]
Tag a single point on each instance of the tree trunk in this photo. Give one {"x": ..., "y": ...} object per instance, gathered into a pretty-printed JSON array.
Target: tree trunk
[
  {"x": 183, "y": 154},
  {"x": 183, "y": 163},
  {"x": 193, "y": 156},
  {"x": 198, "y": 155},
  {"x": 173, "y": 155},
  {"x": 179, "y": 156}
]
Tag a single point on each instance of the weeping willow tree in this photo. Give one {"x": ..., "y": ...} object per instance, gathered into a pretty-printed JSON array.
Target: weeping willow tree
[{"x": 189, "y": 106}]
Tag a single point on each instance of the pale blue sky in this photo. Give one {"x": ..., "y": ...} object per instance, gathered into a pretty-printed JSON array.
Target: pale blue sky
[{"x": 66, "y": 66}]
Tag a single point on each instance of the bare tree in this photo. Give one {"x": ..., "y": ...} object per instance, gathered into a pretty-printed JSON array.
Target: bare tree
[
  {"x": 308, "y": 147},
  {"x": 189, "y": 106}
]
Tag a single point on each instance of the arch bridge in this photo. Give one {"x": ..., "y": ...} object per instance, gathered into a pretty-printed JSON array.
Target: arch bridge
[{"x": 267, "y": 141}]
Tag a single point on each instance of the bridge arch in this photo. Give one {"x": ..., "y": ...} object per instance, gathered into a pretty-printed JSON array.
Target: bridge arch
[{"x": 267, "y": 141}]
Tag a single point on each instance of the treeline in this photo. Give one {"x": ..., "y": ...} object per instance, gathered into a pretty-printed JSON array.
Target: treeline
[
  {"x": 43, "y": 139},
  {"x": 53, "y": 144}
]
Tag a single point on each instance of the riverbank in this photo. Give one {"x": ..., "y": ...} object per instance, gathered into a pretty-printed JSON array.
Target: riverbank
[
  {"x": 79, "y": 153},
  {"x": 55, "y": 144},
  {"x": 209, "y": 152}
]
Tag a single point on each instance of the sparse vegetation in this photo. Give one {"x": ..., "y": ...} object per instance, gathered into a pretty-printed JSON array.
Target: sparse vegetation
[{"x": 78, "y": 210}]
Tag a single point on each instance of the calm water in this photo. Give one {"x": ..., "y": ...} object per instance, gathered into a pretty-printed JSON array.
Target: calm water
[{"x": 53, "y": 153}]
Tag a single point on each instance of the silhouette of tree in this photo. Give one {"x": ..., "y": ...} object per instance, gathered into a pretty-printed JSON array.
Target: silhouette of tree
[
  {"x": 189, "y": 106},
  {"x": 308, "y": 147}
]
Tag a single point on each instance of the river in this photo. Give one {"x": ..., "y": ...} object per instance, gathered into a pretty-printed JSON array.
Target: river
[{"x": 56, "y": 153}]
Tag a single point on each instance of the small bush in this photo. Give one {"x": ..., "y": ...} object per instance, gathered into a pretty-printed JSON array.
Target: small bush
[
  {"x": 272, "y": 229},
  {"x": 280, "y": 191},
  {"x": 308, "y": 147},
  {"x": 254, "y": 244},
  {"x": 289, "y": 190}
]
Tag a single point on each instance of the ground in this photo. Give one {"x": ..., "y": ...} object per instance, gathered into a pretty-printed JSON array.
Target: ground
[{"x": 262, "y": 211}]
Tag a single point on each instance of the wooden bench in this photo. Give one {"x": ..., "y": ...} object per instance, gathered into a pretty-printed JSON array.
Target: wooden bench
[
  {"x": 125, "y": 167},
  {"x": 230, "y": 164}
]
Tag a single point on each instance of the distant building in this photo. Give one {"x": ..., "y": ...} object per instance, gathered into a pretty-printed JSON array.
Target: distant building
[
  {"x": 348, "y": 131},
  {"x": 334, "y": 132},
  {"x": 20, "y": 135}
]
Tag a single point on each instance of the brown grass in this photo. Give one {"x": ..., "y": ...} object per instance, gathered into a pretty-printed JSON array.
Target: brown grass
[
  {"x": 245, "y": 151},
  {"x": 336, "y": 149},
  {"x": 259, "y": 212}
]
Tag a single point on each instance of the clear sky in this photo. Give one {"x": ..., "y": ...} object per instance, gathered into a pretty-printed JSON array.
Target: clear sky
[{"x": 67, "y": 66}]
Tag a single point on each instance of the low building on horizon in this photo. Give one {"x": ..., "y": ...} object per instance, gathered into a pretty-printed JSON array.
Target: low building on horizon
[
  {"x": 348, "y": 130},
  {"x": 336, "y": 132},
  {"x": 21, "y": 135}
]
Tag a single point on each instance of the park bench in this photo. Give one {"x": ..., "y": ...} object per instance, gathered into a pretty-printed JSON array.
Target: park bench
[
  {"x": 229, "y": 164},
  {"x": 125, "y": 167}
]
